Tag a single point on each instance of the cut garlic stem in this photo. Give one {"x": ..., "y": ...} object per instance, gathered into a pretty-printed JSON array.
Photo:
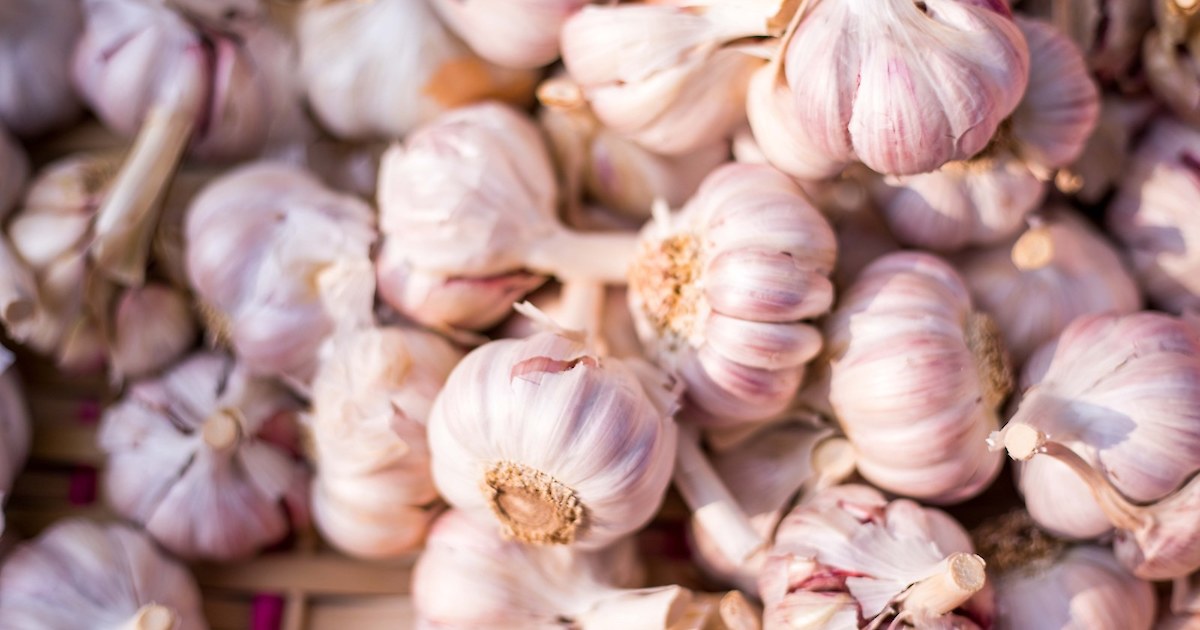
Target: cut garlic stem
[
  {"x": 570, "y": 255},
  {"x": 1034, "y": 250},
  {"x": 583, "y": 309},
  {"x": 152, "y": 617},
  {"x": 713, "y": 507},
  {"x": 961, "y": 575},
  {"x": 221, "y": 431},
  {"x": 834, "y": 460}
]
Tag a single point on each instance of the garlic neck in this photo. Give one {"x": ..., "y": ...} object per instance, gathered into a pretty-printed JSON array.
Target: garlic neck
[
  {"x": 991, "y": 360},
  {"x": 222, "y": 430},
  {"x": 666, "y": 277},
  {"x": 960, "y": 576},
  {"x": 152, "y": 617},
  {"x": 1034, "y": 250},
  {"x": 532, "y": 506}
]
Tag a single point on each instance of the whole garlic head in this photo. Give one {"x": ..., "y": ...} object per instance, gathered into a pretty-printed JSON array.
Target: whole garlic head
[
  {"x": 917, "y": 376},
  {"x": 202, "y": 458},
  {"x": 15, "y": 430},
  {"x": 37, "y": 38},
  {"x": 81, "y": 574},
  {"x": 719, "y": 291}
]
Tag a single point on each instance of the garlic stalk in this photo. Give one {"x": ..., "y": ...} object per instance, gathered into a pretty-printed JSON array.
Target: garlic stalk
[
  {"x": 917, "y": 375},
  {"x": 1109, "y": 32},
  {"x": 279, "y": 262},
  {"x": 15, "y": 168},
  {"x": 720, "y": 290},
  {"x": 204, "y": 459},
  {"x": 371, "y": 398},
  {"x": 80, "y": 574},
  {"x": 1169, "y": 55},
  {"x": 511, "y": 33},
  {"x": 616, "y": 336},
  {"x": 36, "y": 41},
  {"x": 1111, "y": 404},
  {"x": 15, "y": 430},
  {"x": 848, "y": 558}
]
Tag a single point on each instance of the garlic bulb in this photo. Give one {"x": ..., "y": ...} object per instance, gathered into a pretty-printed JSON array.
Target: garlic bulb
[
  {"x": 1035, "y": 285},
  {"x": 279, "y": 262},
  {"x": 917, "y": 376},
  {"x": 1154, "y": 215},
  {"x": 81, "y": 574},
  {"x": 1043, "y": 584},
  {"x": 1112, "y": 405},
  {"x": 1108, "y": 31},
  {"x": 558, "y": 444},
  {"x": 1169, "y": 55},
  {"x": 202, "y": 458},
  {"x": 1184, "y": 613},
  {"x": 903, "y": 87},
  {"x": 617, "y": 334},
  {"x": 15, "y": 430},
  {"x": 36, "y": 41},
  {"x": 719, "y": 291},
  {"x": 381, "y": 68},
  {"x": 371, "y": 398},
  {"x": 848, "y": 558},
  {"x": 15, "y": 168},
  {"x": 1103, "y": 161},
  {"x": 511, "y": 33}
]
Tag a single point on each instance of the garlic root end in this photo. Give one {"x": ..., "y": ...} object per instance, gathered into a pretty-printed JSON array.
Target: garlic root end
[
  {"x": 1022, "y": 441},
  {"x": 532, "y": 506}
]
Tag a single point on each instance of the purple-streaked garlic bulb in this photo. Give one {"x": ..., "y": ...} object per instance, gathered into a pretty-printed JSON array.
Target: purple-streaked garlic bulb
[
  {"x": 1103, "y": 161},
  {"x": 82, "y": 574},
  {"x": 617, "y": 334},
  {"x": 557, "y": 443},
  {"x": 14, "y": 171},
  {"x": 720, "y": 291},
  {"x": 279, "y": 262},
  {"x": 380, "y": 68},
  {"x": 373, "y": 493},
  {"x": 37, "y": 38},
  {"x": 916, "y": 377},
  {"x": 902, "y": 86},
  {"x": 203, "y": 458},
  {"x": 985, "y": 198},
  {"x": 511, "y": 33},
  {"x": 1060, "y": 268},
  {"x": 1154, "y": 215},
  {"x": 848, "y": 558},
  {"x": 1169, "y": 57},
  {"x": 1041, "y": 583},
  {"x": 14, "y": 428},
  {"x": 1107, "y": 432},
  {"x": 1109, "y": 32}
]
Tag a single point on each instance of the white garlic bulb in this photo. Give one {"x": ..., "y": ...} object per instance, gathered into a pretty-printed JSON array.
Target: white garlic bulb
[
  {"x": 15, "y": 168},
  {"x": 917, "y": 376},
  {"x": 15, "y": 430},
  {"x": 37, "y": 38},
  {"x": 719, "y": 292},
  {"x": 511, "y": 33},
  {"x": 1110, "y": 32},
  {"x": 203, "y": 458},
  {"x": 370, "y": 400},
  {"x": 558, "y": 444}
]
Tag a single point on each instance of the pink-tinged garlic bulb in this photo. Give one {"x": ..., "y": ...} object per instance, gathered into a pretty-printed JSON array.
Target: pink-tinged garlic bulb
[
  {"x": 903, "y": 87},
  {"x": 511, "y": 33},
  {"x": 1109, "y": 32},
  {"x": 848, "y": 558},
  {"x": 373, "y": 492},
  {"x": 558, "y": 444},
  {"x": 719, "y": 291},
  {"x": 1041, "y": 583},
  {"x": 14, "y": 171},
  {"x": 916, "y": 377},
  {"x": 1106, "y": 431},
  {"x": 1059, "y": 269},
  {"x": 1103, "y": 161},
  {"x": 381, "y": 68},
  {"x": 1154, "y": 215},
  {"x": 37, "y": 38},
  {"x": 14, "y": 428},
  {"x": 279, "y": 262},
  {"x": 203, "y": 458},
  {"x": 81, "y": 574},
  {"x": 1169, "y": 56}
]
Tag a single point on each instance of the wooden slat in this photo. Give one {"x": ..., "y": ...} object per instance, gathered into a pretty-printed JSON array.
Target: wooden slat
[
  {"x": 324, "y": 573},
  {"x": 67, "y": 444},
  {"x": 362, "y": 613}
]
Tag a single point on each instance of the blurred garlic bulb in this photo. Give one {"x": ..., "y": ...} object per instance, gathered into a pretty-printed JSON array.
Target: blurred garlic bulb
[
  {"x": 917, "y": 376},
  {"x": 1184, "y": 613},
  {"x": 203, "y": 458},
  {"x": 1154, "y": 215},
  {"x": 1058, "y": 269},
  {"x": 617, "y": 334},
  {"x": 1169, "y": 55},
  {"x": 14, "y": 167},
  {"x": 381, "y": 68},
  {"x": 1103, "y": 161},
  {"x": 81, "y": 574},
  {"x": 371, "y": 398},
  {"x": 1109, "y": 32},
  {"x": 719, "y": 291},
  {"x": 848, "y": 558},
  {"x": 558, "y": 444},
  {"x": 862, "y": 78},
  {"x": 1043, "y": 584},
  {"x": 1111, "y": 406},
  {"x": 15, "y": 430},
  {"x": 511, "y": 33},
  {"x": 36, "y": 41},
  {"x": 279, "y": 262}
]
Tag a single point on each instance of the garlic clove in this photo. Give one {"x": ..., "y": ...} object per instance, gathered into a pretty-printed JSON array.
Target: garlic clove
[
  {"x": 762, "y": 345},
  {"x": 152, "y": 327},
  {"x": 512, "y": 34},
  {"x": 770, "y": 109},
  {"x": 36, "y": 41},
  {"x": 766, "y": 286}
]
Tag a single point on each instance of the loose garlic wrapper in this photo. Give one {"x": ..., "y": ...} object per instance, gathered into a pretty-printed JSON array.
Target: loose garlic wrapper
[
  {"x": 917, "y": 375},
  {"x": 371, "y": 398},
  {"x": 848, "y": 557},
  {"x": 558, "y": 444},
  {"x": 202, "y": 458},
  {"x": 80, "y": 574},
  {"x": 36, "y": 41},
  {"x": 718, "y": 291},
  {"x": 15, "y": 433}
]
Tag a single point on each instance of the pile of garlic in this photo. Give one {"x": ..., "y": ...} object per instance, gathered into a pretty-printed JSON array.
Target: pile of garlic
[{"x": 659, "y": 314}]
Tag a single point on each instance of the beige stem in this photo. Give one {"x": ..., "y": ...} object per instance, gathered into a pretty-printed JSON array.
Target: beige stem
[
  {"x": 713, "y": 507},
  {"x": 583, "y": 309},
  {"x": 1034, "y": 250},
  {"x": 568, "y": 255},
  {"x": 961, "y": 576},
  {"x": 833, "y": 460},
  {"x": 221, "y": 430},
  {"x": 152, "y": 617}
]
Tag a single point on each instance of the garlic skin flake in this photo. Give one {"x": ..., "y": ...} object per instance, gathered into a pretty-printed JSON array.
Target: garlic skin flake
[
  {"x": 81, "y": 574},
  {"x": 557, "y": 443},
  {"x": 37, "y": 38},
  {"x": 202, "y": 458},
  {"x": 15, "y": 429}
]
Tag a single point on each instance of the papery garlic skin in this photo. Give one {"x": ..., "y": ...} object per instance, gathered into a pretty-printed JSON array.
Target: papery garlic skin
[
  {"x": 511, "y": 33},
  {"x": 81, "y": 574},
  {"x": 15, "y": 168},
  {"x": 917, "y": 376},
  {"x": 560, "y": 445},
  {"x": 1057, "y": 270},
  {"x": 15, "y": 430},
  {"x": 371, "y": 398},
  {"x": 361, "y": 85},
  {"x": 202, "y": 458},
  {"x": 279, "y": 262},
  {"x": 719, "y": 291},
  {"x": 36, "y": 41}
]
